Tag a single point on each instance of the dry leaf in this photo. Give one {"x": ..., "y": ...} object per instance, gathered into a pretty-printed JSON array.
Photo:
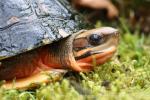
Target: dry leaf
[{"x": 97, "y": 5}]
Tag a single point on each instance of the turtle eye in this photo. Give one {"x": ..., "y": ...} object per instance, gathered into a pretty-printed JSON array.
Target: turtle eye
[{"x": 95, "y": 39}]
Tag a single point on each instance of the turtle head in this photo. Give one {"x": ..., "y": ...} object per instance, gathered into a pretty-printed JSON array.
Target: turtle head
[
  {"x": 94, "y": 47},
  {"x": 85, "y": 49}
]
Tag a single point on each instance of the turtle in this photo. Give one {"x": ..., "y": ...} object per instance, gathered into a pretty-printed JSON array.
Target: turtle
[{"x": 44, "y": 36}]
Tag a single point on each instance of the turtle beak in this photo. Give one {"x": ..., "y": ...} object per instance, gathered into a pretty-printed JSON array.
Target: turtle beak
[{"x": 90, "y": 54}]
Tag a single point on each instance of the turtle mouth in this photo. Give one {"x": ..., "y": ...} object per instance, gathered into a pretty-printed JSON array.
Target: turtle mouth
[{"x": 89, "y": 60}]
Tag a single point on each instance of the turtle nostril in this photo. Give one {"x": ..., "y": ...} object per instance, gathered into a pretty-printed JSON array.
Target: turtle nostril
[{"x": 95, "y": 39}]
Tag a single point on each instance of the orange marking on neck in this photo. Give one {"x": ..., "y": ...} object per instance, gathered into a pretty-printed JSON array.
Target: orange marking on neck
[{"x": 47, "y": 59}]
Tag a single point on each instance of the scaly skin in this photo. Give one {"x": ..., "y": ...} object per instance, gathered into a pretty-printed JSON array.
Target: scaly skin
[{"x": 76, "y": 52}]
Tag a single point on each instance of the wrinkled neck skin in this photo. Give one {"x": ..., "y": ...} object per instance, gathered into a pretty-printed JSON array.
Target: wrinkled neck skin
[{"x": 61, "y": 53}]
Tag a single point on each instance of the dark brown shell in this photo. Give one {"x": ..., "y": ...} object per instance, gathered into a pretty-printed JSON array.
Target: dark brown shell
[{"x": 28, "y": 24}]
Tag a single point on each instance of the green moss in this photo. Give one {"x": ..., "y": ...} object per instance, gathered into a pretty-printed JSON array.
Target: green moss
[{"x": 125, "y": 77}]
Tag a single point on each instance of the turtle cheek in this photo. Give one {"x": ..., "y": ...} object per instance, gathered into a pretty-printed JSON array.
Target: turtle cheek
[{"x": 80, "y": 44}]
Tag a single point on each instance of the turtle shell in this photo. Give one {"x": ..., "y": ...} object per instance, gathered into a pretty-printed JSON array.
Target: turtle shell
[{"x": 28, "y": 24}]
